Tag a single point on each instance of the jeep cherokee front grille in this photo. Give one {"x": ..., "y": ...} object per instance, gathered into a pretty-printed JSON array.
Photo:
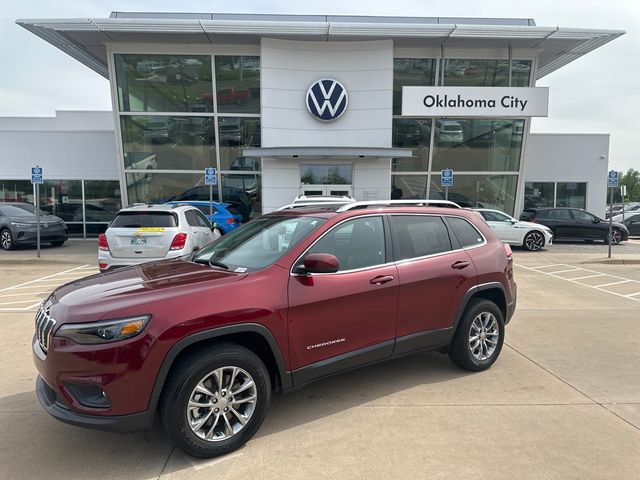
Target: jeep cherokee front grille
[{"x": 44, "y": 327}]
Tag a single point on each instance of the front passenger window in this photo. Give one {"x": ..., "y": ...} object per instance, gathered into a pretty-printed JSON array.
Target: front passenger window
[{"x": 357, "y": 243}]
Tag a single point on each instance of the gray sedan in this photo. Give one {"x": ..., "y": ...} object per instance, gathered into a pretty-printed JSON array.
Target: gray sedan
[{"x": 18, "y": 226}]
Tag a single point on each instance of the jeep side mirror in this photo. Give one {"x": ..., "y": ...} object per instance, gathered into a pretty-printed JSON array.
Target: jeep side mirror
[{"x": 318, "y": 263}]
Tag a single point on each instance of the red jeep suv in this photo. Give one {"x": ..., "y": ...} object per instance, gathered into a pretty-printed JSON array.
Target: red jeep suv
[{"x": 293, "y": 296}]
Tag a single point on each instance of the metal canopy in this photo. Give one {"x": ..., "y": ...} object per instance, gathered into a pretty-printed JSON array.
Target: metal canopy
[
  {"x": 84, "y": 39},
  {"x": 326, "y": 152}
]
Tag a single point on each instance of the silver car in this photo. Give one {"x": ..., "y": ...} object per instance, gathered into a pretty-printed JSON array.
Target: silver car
[
  {"x": 145, "y": 233},
  {"x": 18, "y": 226}
]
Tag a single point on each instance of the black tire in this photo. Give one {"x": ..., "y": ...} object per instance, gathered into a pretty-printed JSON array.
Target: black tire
[
  {"x": 58, "y": 243},
  {"x": 460, "y": 350},
  {"x": 533, "y": 241},
  {"x": 616, "y": 235},
  {"x": 180, "y": 387},
  {"x": 6, "y": 239}
]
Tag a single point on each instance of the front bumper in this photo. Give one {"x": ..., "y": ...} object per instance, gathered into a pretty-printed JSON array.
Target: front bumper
[
  {"x": 52, "y": 404},
  {"x": 49, "y": 234}
]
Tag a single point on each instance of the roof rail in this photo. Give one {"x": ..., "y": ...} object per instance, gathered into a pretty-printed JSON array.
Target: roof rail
[
  {"x": 398, "y": 203},
  {"x": 315, "y": 204}
]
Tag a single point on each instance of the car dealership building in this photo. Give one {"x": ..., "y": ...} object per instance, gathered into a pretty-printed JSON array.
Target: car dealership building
[{"x": 282, "y": 105}]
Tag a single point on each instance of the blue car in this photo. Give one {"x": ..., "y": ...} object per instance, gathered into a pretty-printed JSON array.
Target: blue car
[{"x": 224, "y": 215}]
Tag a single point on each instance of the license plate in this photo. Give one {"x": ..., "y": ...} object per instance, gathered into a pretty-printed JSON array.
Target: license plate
[{"x": 138, "y": 241}]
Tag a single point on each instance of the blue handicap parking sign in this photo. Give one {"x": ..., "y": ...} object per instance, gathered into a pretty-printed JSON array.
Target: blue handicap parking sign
[
  {"x": 446, "y": 178},
  {"x": 37, "y": 175},
  {"x": 210, "y": 176},
  {"x": 612, "y": 179}
]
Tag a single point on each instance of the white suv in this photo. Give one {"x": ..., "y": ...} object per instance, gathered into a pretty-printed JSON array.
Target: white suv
[{"x": 145, "y": 233}]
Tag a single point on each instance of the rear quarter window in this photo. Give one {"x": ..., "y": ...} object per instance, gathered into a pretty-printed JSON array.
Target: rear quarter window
[
  {"x": 419, "y": 236},
  {"x": 144, "y": 219},
  {"x": 467, "y": 234}
]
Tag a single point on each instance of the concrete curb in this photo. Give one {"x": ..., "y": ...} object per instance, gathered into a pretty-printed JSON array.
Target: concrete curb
[{"x": 615, "y": 261}]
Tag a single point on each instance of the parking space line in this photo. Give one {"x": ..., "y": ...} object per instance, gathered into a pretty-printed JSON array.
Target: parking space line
[
  {"x": 22, "y": 294},
  {"x": 552, "y": 265},
  {"x": 563, "y": 271},
  {"x": 43, "y": 278},
  {"x": 612, "y": 283},
  {"x": 634, "y": 296},
  {"x": 14, "y": 303},
  {"x": 589, "y": 276}
]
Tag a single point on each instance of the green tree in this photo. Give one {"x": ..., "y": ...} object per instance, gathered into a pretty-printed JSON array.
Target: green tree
[{"x": 632, "y": 180}]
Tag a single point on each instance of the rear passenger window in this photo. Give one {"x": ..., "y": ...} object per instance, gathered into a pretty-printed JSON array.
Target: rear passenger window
[
  {"x": 466, "y": 233},
  {"x": 419, "y": 236},
  {"x": 560, "y": 214}
]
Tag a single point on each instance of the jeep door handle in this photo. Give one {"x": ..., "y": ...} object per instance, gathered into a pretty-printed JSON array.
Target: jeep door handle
[
  {"x": 381, "y": 279},
  {"x": 460, "y": 265}
]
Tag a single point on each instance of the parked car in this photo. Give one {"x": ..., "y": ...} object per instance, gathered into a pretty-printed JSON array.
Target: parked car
[
  {"x": 575, "y": 224},
  {"x": 449, "y": 131},
  {"x": 144, "y": 233},
  {"x": 532, "y": 236},
  {"x": 291, "y": 297},
  {"x": 631, "y": 221},
  {"x": 224, "y": 217},
  {"x": 233, "y": 95},
  {"x": 18, "y": 226},
  {"x": 458, "y": 198},
  {"x": 231, "y": 195}
]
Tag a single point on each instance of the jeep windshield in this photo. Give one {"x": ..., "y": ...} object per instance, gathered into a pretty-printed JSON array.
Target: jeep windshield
[{"x": 257, "y": 244}]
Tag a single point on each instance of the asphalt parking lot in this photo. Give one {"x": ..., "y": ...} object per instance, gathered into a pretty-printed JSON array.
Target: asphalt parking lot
[{"x": 563, "y": 400}]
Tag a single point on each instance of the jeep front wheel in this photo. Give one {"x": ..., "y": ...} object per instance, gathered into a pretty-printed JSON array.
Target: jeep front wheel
[{"x": 216, "y": 400}]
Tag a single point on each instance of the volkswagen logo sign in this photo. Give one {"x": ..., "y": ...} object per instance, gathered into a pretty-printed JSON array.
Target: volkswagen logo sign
[{"x": 327, "y": 99}]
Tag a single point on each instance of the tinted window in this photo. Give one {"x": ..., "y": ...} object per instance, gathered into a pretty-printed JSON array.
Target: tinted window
[
  {"x": 466, "y": 233},
  {"x": 419, "y": 236},
  {"x": 558, "y": 214},
  {"x": 494, "y": 216},
  {"x": 201, "y": 219},
  {"x": 357, "y": 243},
  {"x": 582, "y": 215},
  {"x": 144, "y": 219},
  {"x": 191, "y": 218}
]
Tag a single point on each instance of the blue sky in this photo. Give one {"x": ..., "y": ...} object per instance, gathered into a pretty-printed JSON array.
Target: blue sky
[{"x": 596, "y": 94}]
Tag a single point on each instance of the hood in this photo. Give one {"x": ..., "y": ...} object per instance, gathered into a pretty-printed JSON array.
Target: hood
[
  {"x": 137, "y": 289},
  {"x": 31, "y": 219},
  {"x": 532, "y": 225}
]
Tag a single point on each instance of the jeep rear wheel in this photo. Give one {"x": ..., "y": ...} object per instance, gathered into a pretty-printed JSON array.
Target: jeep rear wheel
[
  {"x": 479, "y": 337},
  {"x": 216, "y": 400}
]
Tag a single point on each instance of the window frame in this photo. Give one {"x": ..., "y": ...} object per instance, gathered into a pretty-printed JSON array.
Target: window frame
[
  {"x": 453, "y": 245},
  {"x": 389, "y": 257}
]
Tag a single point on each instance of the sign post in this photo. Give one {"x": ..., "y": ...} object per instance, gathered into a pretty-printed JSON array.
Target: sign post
[
  {"x": 612, "y": 183},
  {"x": 446, "y": 181},
  {"x": 210, "y": 178},
  {"x": 623, "y": 193},
  {"x": 37, "y": 179}
]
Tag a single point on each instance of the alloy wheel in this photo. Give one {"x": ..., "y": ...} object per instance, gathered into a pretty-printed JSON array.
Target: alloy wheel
[
  {"x": 483, "y": 335},
  {"x": 534, "y": 241},
  {"x": 5, "y": 240},
  {"x": 221, "y": 404},
  {"x": 616, "y": 237}
]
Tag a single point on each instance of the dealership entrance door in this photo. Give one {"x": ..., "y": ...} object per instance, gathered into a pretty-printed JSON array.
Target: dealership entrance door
[{"x": 326, "y": 179}]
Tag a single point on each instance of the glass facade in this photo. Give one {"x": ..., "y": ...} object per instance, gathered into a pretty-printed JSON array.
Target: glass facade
[
  {"x": 555, "y": 194},
  {"x": 86, "y": 206},
  {"x": 411, "y": 72},
  {"x": 165, "y": 153},
  {"x": 486, "y": 73},
  {"x": 238, "y": 84},
  {"x": 16, "y": 191},
  {"x": 469, "y": 146},
  {"x": 164, "y": 83},
  {"x": 479, "y": 191},
  {"x": 168, "y": 143}
]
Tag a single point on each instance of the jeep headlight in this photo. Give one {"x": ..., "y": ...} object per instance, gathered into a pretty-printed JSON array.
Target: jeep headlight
[{"x": 105, "y": 331}]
